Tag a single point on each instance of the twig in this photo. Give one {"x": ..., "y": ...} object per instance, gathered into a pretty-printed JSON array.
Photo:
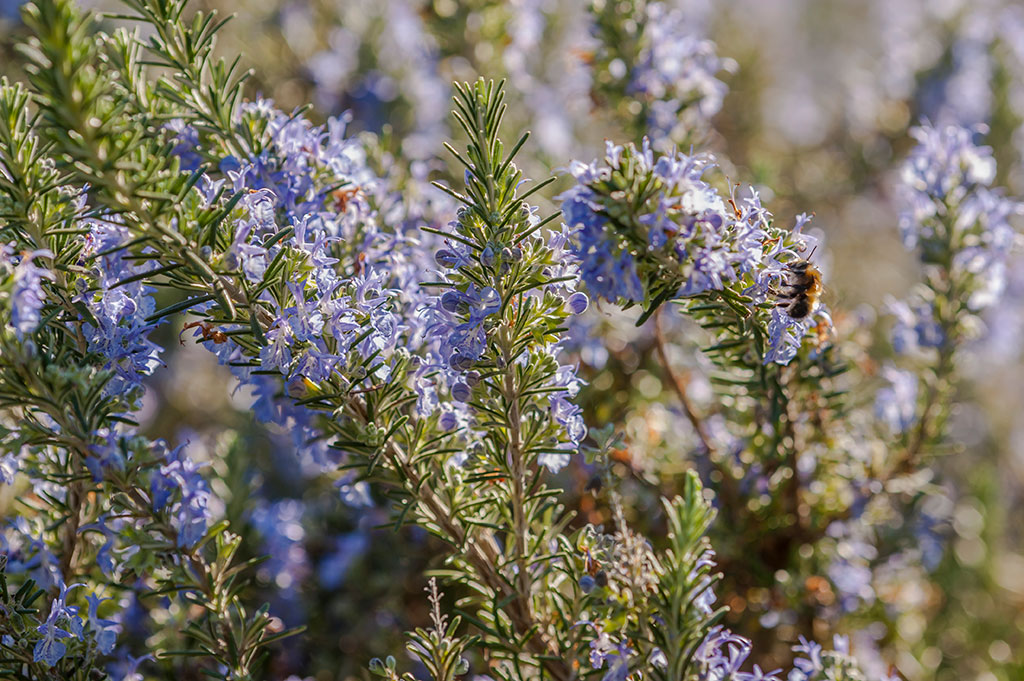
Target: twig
[{"x": 680, "y": 384}]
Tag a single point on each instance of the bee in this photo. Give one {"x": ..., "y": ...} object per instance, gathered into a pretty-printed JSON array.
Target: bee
[{"x": 801, "y": 291}]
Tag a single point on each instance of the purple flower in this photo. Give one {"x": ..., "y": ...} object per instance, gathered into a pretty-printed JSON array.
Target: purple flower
[
  {"x": 177, "y": 485},
  {"x": 609, "y": 274},
  {"x": 8, "y": 468},
  {"x": 49, "y": 648},
  {"x": 104, "y": 631},
  {"x": 304, "y": 317},
  {"x": 785, "y": 336},
  {"x": 721, "y": 654},
  {"x": 606, "y": 266},
  {"x": 448, "y": 420},
  {"x": 27, "y": 296},
  {"x": 457, "y": 321},
  {"x": 277, "y": 353},
  {"x": 915, "y": 327},
  {"x": 127, "y": 669},
  {"x": 316, "y": 363},
  {"x": 557, "y": 458},
  {"x": 461, "y": 392},
  {"x": 944, "y": 165},
  {"x": 669, "y": 67},
  {"x": 104, "y": 456},
  {"x": 601, "y": 648},
  {"x": 186, "y": 141},
  {"x": 105, "y": 554},
  {"x": 812, "y": 662},
  {"x": 121, "y": 310},
  {"x": 27, "y": 552},
  {"x": 578, "y": 302},
  {"x": 896, "y": 403},
  {"x": 952, "y": 216},
  {"x": 758, "y": 675}
]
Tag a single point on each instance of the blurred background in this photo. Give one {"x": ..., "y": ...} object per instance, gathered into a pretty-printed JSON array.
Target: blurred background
[{"x": 814, "y": 108}]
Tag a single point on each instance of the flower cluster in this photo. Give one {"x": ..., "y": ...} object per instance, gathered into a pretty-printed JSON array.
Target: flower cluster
[
  {"x": 631, "y": 575},
  {"x": 95, "y": 634},
  {"x": 896, "y": 404},
  {"x": 953, "y": 217},
  {"x": 403, "y": 84},
  {"x": 914, "y": 328},
  {"x": 26, "y": 292},
  {"x": 648, "y": 228},
  {"x": 963, "y": 232},
  {"x": 334, "y": 286},
  {"x": 816, "y": 663},
  {"x": 178, "y": 479},
  {"x": 404, "y": 345},
  {"x": 651, "y": 61},
  {"x": 498, "y": 282},
  {"x": 121, "y": 303},
  {"x": 676, "y": 72}
]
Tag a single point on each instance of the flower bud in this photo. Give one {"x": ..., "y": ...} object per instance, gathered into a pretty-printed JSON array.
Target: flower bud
[
  {"x": 461, "y": 392},
  {"x": 446, "y": 258},
  {"x": 487, "y": 256},
  {"x": 448, "y": 421}
]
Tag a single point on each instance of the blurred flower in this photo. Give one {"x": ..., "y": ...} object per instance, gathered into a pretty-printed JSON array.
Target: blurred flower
[
  {"x": 27, "y": 295},
  {"x": 896, "y": 404}
]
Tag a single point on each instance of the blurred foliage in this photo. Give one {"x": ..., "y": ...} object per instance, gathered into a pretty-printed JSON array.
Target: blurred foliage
[{"x": 810, "y": 114}]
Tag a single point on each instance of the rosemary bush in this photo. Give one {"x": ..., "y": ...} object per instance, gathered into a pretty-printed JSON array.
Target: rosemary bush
[{"x": 414, "y": 333}]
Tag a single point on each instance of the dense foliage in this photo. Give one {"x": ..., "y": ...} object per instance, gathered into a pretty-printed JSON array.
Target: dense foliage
[{"x": 599, "y": 410}]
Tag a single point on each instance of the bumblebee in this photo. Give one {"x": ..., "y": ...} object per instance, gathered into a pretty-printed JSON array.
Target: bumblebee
[{"x": 801, "y": 291}]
